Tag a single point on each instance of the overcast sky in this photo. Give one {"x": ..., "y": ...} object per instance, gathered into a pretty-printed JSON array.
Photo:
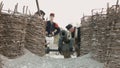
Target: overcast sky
[{"x": 66, "y": 11}]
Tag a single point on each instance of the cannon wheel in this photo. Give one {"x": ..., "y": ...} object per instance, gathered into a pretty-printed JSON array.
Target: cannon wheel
[
  {"x": 65, "y": 51},
  {"x": 47, "y": 50}
]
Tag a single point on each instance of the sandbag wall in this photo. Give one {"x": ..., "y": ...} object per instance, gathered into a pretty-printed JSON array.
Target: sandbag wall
[
  {"x": 35, "y": 36},
  {"x": 12, "y": 35}
]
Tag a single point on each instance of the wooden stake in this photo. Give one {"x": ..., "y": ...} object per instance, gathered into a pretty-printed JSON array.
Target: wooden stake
[
  {"x": 102, "y": 11},
  {"x": 29, "y": 13},
  {"x": 107, "y": 8},
  {"x": 26, "y": 9},
  {"x": 117, "y": 4},
  {"x": 38, "y": 7},
  {"x": 1, "y": 6},
  {"x": 23, "y": 9},
  {"x": 16, "y": 8},
  {"x": 8, "y": 10}
]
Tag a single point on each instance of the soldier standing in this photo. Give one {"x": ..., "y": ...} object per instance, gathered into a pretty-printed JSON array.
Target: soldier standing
[{"x": 52, "y": 29}]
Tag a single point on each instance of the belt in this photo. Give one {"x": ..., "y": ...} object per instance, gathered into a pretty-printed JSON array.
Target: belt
[{"x": 50, "y": 35}]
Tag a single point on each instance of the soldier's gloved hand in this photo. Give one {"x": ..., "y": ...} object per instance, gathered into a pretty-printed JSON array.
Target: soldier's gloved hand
[
  {"x": 53, "y": 33},
  {"x": 71, "y": 49}
]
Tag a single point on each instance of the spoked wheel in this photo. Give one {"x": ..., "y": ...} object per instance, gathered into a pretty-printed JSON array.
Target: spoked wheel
[{"x": 66, "y": 51}]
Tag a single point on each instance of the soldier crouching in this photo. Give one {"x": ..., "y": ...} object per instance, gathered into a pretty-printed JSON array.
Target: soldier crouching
[{"x": 75, "y": 38}]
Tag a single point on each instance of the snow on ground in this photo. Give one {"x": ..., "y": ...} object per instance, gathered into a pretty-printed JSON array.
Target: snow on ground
[
  {"x": 57, "y": 55},
  {"x": 30, "y": 60}
]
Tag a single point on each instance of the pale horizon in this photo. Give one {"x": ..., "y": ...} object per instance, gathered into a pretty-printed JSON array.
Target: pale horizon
[{"x": 66, "y": 11}]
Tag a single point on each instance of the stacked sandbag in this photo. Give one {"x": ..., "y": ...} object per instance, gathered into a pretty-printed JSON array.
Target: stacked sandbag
[
  {"x": 35, "y": 36},
  {"x": 85, "y": 35},
  {"x": 12, "y": 34}
]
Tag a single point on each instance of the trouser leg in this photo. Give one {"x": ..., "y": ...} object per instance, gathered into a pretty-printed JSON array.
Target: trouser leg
[
  {"x": 50, "y": 41},
  {"x": 71, "y": 44},
  {"x": 65, "y": 50},
  {"x": 47, "y": 41},
  {"x": 60, "y": 43},
  {"x": 77, "y": 50}
]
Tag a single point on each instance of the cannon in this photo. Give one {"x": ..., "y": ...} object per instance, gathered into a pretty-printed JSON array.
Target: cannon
[
  {"x": 48, "y": 50},
  {"x": 63, "y": 35},
  {"x": 63, "y": 45}
]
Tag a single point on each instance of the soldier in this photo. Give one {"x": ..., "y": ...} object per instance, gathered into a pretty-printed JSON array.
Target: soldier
[
  {"x": 75, "y": 38},
  {"x": 52, "y": 29},
  {"x": 42, "y": 13}
]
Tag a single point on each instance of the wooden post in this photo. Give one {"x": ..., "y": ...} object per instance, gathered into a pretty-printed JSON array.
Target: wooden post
[
  {"x": 38, "y": 7},
  {"x": 16, "y": 8},
  {"x": 29, "y": 13},
  {"x": 102, "y": 11},
  {"x": 107, "y": 8},
  {"x": 23, "y": 9},
  {"x": 117, "y": 4},
  {"x": 26, "y": 10},
  {"x": 1, "y": 6}
]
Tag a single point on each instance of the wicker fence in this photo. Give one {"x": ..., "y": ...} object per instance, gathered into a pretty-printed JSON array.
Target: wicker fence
[
  {"x": 12, "y": 35},
  {"x": 101, "y": 36},
  {"x": 35, "y": 36}
]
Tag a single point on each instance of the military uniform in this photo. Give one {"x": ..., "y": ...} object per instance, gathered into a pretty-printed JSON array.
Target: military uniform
[{"x": 75, "y": 40}]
